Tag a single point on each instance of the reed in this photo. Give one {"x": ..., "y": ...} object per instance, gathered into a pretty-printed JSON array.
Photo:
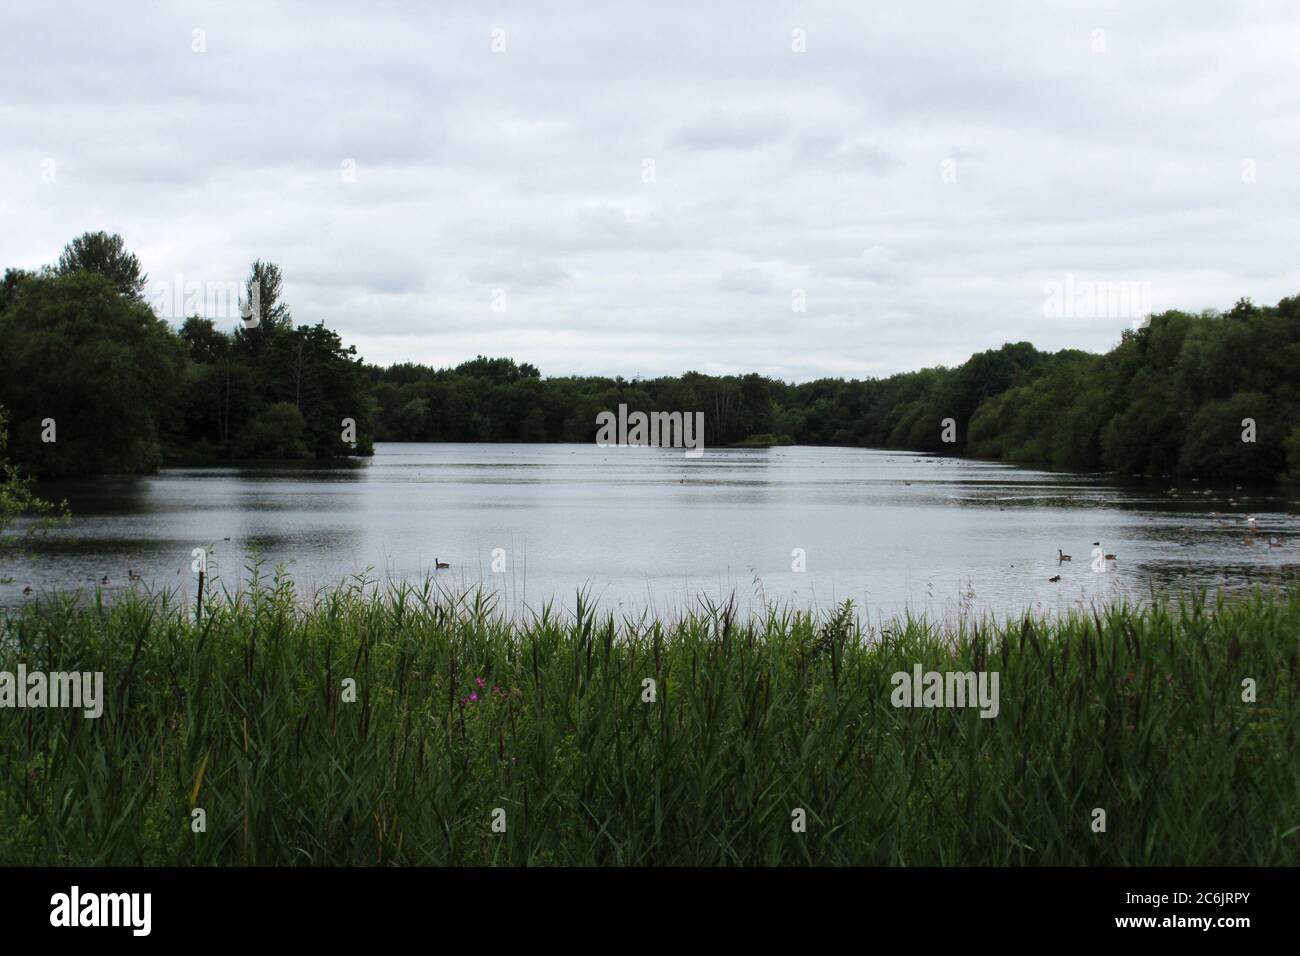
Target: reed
[{"x": 1133, "y": 709}]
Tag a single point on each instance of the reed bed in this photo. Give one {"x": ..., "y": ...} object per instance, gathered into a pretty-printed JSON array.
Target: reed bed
[{"x": 460, "y": 712}]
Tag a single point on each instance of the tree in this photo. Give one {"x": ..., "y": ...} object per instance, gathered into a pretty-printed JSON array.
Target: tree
[
  {"x": 17, "y": 499},
  {"x": 90, "y": 378},
  {"x": 206, "y": 344},
  {"x": 1291, "y": 448},
  {"x": 1215, "y": 448},
  {"x": 105, "y": 255},
  {"x": 9, "y": 286},
  {"x": 262, "y": 290},
  {"x": 278, "y": 432},
  {"x": 310, "y": 368},
  {"x": 411, "y": 418}
]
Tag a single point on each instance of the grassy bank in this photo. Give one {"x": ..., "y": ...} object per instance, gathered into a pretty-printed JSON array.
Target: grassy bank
[{"x": 457, "y": 713}]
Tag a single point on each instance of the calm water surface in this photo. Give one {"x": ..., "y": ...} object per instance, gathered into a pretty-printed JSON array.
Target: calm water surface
[{"x": 650, "y": 529}]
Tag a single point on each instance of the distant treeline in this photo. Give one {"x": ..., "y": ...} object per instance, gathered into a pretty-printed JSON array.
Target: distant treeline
[
  {"x": 1208, "y": 395},
  {"x": 1176, "y": 397}
]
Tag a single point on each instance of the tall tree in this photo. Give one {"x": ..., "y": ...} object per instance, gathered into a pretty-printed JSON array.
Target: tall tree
[
  {"x": 269, "y": 282},
  {"x": 89, "y": 376},
  {"x": 106, "y": 255}
]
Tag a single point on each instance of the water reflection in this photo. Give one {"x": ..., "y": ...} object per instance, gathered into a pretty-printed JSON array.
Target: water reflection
[{"x": 647, "y": 528}]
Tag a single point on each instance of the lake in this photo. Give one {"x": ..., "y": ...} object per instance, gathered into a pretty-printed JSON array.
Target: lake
[{"x": 650, "y": 529}]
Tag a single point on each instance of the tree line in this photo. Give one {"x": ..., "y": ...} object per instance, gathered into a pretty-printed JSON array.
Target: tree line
[
  {"x": 94, "y": 381},
  {"x": 87, "y": 362},
  {"x": 1205, "y": 395}
]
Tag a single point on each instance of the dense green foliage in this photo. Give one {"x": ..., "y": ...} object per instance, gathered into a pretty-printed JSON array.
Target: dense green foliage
[
  {"x": 103, "y": 254},
  {"x": 17, "y": 497},
  {"x": 457, "y": 712},
  {"x": 94, "y": 381},
  {"x": 1170, "y": 398},
  {"x": 90, "y": 377}
]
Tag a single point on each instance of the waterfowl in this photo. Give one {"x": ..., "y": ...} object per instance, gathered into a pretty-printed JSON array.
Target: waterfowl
[
  {"x": 28, "y": 589},
  {"x": 104, "y": 579},
  {"x": 1062, "y": 556},
  {"x": 1054, "y": 578},
  {"x": 132, "y": 576},
  {"x": 439, "y": 565}
]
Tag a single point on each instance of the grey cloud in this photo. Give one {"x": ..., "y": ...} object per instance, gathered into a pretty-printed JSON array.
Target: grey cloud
[
  {"x": 724, "y": 131},
  {"x": 750, "y": 280},
  {"x": 774, "y": 169},
  {"x": 875, "y": 264},
  {"x": 518, "y": 274},
  {"x": 857, "y": 151}
]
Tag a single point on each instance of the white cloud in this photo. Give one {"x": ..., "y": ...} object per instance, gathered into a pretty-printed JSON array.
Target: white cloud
[{"x": 524, "y": 170}]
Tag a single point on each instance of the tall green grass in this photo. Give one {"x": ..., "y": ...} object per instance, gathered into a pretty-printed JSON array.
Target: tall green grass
[{"x": 1137, "y": 711}]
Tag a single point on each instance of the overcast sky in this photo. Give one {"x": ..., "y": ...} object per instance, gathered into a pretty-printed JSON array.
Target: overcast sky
[{"x": 641, "y": 189}]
